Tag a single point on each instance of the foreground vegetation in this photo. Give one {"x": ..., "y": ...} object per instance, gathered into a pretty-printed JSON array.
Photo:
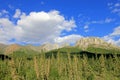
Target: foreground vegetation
[{"x": 60, "y": 68}]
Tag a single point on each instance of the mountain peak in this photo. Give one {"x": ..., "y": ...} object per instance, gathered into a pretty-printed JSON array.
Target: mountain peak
[
  {"x": 48, "y": 47},
  {"x": 84, "y": 43}
]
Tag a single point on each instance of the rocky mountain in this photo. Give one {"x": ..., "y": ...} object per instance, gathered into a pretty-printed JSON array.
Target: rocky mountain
[
  {"x": 2, "y": 47},
  {"x": 44, "y": 47},
  {"x": 11, "y": 48},
  {"x": 8, "y": 49},
  {"x": 85, "y": 43},
  {"x": 91, "y": 44},
  {"x": 48, "y": 47}
]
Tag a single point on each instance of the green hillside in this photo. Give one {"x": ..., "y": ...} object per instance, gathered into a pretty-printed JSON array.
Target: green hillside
[
  {"x": 24, "y": 53},
  {"x": 103, "y": 50},
  {"x": 66, "y": 63},
  {"x": 79, "y": 52}
]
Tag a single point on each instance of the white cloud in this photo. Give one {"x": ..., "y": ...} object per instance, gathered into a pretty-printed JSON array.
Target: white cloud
[
  {"x": 117, "y": 4},
  {"x": 108, "y": 20},
  {"x": 0, "y": 14},
  {"x": 104, "y": 21},
  {"x": 35, "y": 28},
  {"x": 10, "y": 6},
  {"x": 42, "y": 3},
  {"x": 43, "y": 27},
  {"x": 115, "y": 7},
  {"x": 112, "y": 40},
  {"x": 113, "y": 37},
  {"x": 71, "y": 39},
  {"x": 110, "y": 4},
  {"x": 18, "y": 14},
  {"x": 118, "y": 42},
  {"x": 116, "y": 32},
  {"x": 4, "y": 13},
  {"x": 116, "y": 10},
  {"x": 97, "y": 22},
  {"x": 6, "y": 30},
  {"x": 86, "y": 27},
  {"x": 109, "y": 39},
  {"x": 87, "y": 30}
]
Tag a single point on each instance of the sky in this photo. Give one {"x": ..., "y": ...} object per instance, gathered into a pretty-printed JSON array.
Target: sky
[{"x": 38, "y": 22}]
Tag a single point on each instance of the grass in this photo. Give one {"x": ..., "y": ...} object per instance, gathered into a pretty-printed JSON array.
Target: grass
[
  {"x": 59, "y": 66},
  {"x": 103, "y": 51}
]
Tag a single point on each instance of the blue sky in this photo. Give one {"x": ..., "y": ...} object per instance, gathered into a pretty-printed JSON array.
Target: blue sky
[{"x": 63, "y": 21}]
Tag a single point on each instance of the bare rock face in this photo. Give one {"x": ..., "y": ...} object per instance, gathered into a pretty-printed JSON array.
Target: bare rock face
[
  {"x": 48, "y": 47},
  {"x": 64, "y": 45},
  {"x": 84, "y": 43}
]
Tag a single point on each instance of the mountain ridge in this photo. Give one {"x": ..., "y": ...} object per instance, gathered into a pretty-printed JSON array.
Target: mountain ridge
[
  {"x": 84, "y": 43},
  {"x": 87, "y": 44}
]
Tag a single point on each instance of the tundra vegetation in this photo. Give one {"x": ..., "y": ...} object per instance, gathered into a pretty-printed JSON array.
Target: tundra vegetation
[{"x": 61, "y": 64}]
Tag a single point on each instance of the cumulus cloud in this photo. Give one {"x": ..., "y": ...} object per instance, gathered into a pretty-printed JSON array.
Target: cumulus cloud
[
  {"x": 71, "y": 39},
  {"x": 42, "y": 27},
  {"x": 6, "y": 30},
  {"x": 36, "y": 27}
]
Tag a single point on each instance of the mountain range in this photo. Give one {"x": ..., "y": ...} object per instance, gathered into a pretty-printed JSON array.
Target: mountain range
[{"x": 91, "y": 44}]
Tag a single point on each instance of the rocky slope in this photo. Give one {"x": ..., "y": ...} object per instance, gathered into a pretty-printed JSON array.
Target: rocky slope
[
  {"x": 2, "y": 47},
  {"x": 89, "y": 43},
  {"x": 44, "y": 47},
  {"x": 85, "y": 43},
  {"x": 11, "y": 48}
]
